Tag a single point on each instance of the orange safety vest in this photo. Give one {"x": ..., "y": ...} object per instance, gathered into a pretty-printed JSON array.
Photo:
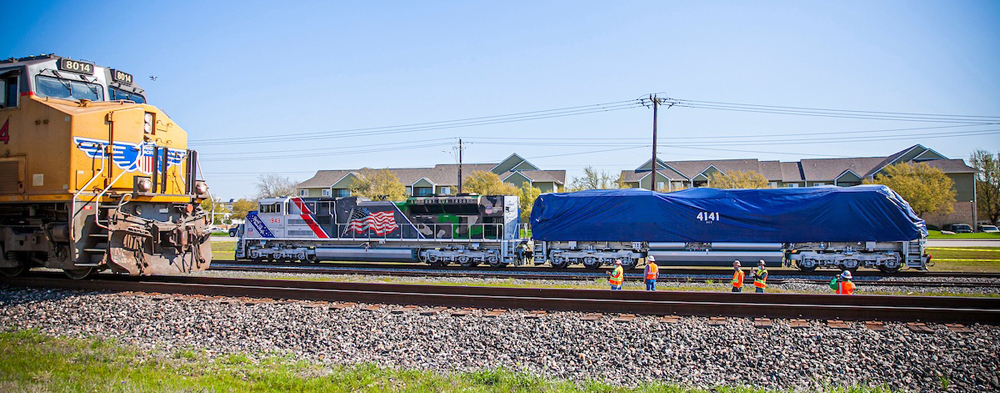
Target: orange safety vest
[
  {"x": 761, "y": 280},
  {"x": 845, "y": 288},
  {"x": 738, "y": 279},
  {"x": 617, "y": 276},
  {"x": 651, "y": 270}
]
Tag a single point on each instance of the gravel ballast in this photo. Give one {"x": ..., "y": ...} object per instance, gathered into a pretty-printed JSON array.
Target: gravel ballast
[{"x": 559, "y": 344}]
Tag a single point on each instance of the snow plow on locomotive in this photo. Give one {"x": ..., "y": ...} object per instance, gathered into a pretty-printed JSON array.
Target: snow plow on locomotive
[
  {"x": 464, "y": 229},
  {"x": 91, "y": 177}
]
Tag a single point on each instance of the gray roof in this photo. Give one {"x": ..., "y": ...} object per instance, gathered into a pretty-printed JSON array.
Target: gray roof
[
  {"x": 951, "y": 166},
  {"x": 440, "y": 174},
  {"x": 828, "y": 169}
]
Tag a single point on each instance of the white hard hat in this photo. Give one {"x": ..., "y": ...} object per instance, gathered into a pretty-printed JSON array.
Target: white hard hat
[
  {"x": 618, "y": 261},
  {"x": 651, "y": 258},
  {"x": 846, "y": 274},
  {"x": 761, "y": 262},
  {"x": 736, "y": 262}
]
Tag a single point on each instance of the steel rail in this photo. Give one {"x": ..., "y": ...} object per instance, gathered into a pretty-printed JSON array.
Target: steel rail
[
  {"x": 860, "y": 307},
  {"x": 664, "y": 269},
  {"x": 565, "y": 276}
]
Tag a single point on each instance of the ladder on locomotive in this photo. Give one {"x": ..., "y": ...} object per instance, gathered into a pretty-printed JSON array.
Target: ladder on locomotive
[{"x": 96, "y": 245}]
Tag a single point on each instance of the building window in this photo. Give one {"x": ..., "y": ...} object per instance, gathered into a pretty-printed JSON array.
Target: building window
[
  {"x": 819, "y": 184},
  {"x": 343, "y": 193},
  {"x": 792, "y": 185},
  {"x": 659, "y": 185},
  {"x": 326, "y": 192},
  {"x": 423, "y": 191},
  {"x": 772, "y": 185},
  {"x": 303, "y": 192},
  {"x": 409, "y": 190},
  {"x": 444, "y": 191}
]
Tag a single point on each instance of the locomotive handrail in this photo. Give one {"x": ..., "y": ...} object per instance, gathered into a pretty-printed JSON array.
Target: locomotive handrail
[
  {"x": 481, "y": 235},
  {"x": 98, "y": 174}
]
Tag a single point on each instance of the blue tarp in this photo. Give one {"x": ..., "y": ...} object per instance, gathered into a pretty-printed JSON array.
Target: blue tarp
[{"x": 785, "y": 215}]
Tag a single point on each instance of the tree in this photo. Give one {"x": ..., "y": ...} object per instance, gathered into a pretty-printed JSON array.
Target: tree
[
  {"x": 987, "y": 184},
  {"x": 594, "y": 180},
  {"x": 928, "y": 190},
  {"x": 270, "y": 185},
  {"x": 380, "y": 184},
  {"x": 528, "y": 195},
  {"x": 488, "y": 183},
  {"x": 241, "y": 207},
  {"x": 737, "y": 179}
]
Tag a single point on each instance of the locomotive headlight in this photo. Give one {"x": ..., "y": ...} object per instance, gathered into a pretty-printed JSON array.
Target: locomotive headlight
[
  {"x": 201, "y": 189},
  {"x": 147, "y": 125},
  {"x": 145, "y": 185}
]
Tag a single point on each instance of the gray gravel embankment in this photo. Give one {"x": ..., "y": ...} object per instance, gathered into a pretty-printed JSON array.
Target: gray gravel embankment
[{"x": 556, "y": 345}]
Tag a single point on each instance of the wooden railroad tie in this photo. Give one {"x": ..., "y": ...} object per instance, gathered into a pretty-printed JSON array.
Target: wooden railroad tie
[
  {"x": 798, "y": 323},
  {"x": 432, "y": 311},
  {"x": 958, "y": 328},
  {"x": 671, "y": 319},
  {"x": 494, "y": 313},
  {"x": 716, "y": 321},
  {"x": 919, "y": 327},
  {"x": 591, "y": 317},
  {"x": 461, "y": 313},
  {"x": 339, "y": 306},
  {"x": 763, "y": 323},
  {"x": 622, "y": 318},
  {"x": 837, "y": 324},
  {"x": 371, "y": 307},
  {"x": 403, "y": 309},
  {"x": 535, "y": 314},
  {"x": 877, "y": 326}
]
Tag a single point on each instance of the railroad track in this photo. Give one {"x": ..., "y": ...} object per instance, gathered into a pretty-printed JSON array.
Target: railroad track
[
  {"x": 664, "y": 270},
  {"x": 861, "y": 307},
  {"x": 565, "y": 275}
]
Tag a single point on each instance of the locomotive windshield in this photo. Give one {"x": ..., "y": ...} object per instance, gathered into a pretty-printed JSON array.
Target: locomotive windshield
[
  {"x": 46, "y": 86},
  {"x": 119, "y": 94}
]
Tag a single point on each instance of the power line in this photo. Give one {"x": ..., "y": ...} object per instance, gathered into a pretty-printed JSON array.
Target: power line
[{"x": 429, "y": 126}]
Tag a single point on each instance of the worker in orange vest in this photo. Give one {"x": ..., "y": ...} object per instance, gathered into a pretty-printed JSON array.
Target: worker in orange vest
[
  {"x": 842, "y": 284},
  {"x": 617, "y": 276},
  {"x": 738, "y": 277},
  {"x": 760, "y": 277},
  {"x": 652, "y": 273}
]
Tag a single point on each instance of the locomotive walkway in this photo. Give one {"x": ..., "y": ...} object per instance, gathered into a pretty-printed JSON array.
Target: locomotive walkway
[{"x": 862, "y": 307}]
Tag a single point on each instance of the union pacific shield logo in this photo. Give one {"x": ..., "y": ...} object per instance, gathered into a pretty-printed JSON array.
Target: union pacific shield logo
[{"x": 130, "y": 156}]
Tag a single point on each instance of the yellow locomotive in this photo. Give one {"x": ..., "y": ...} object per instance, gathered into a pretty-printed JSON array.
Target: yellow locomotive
[{"x": 91, "y": 177}]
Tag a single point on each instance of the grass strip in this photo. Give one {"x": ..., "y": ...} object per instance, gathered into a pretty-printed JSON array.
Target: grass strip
[{"x": 31, "y": 361}]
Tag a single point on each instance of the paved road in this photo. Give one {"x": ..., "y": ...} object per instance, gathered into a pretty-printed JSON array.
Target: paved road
[{"x": 963, "y": 243}]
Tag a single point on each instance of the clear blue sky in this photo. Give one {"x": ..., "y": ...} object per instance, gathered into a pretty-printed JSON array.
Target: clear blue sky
[{"x": 257, "y": 68}]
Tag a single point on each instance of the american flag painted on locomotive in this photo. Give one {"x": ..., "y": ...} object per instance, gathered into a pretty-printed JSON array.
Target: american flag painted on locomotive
[{"x": 379, "y": 222}]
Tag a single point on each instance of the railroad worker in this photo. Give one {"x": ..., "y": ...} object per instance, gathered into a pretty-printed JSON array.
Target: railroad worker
[
  {"x": 652, "y": 273},
  {"x": 760, "y": 277},
  {"x": 617, "y": 276},
  {"x": 842, "y": 283},
  {"x": 738, "y": 277}
]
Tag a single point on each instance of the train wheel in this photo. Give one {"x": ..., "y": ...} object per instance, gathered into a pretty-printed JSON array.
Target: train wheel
[
  {"x": 629, "y": 264},
  {"x": 807, "y": 266},
  {"x": 559, "y": 262},
  {"x": 495, "y": 262},
  {"x": 591, "y": 263},
  {"x": 80, "y": 274},
  {"x": 14, "y": 271},
  {"x": 889, "y": 270},
  {"x": 465, "y": 261}
]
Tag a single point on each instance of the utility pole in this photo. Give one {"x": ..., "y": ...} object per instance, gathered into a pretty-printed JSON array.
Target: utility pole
[
  {"x": 459, "y": 165},
  {"x": 656, "y": 103}
]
